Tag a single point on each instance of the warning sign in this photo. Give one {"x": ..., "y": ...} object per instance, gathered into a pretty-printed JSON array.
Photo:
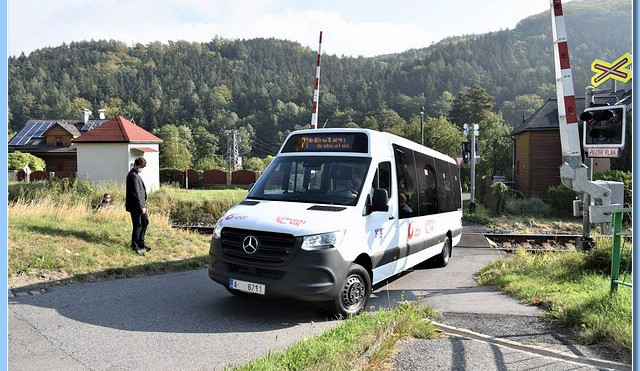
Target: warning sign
[
  {"x": 603, "y": 152},
  {"x": 459, "y": 160},
  {"x": 615, "y": 70}
]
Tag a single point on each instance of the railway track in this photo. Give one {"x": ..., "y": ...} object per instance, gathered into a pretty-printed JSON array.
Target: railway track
[
  {"x": 502, "y": 241},
  {"x": 533, "y": 242},
  {"x": 203, "y": 229}
]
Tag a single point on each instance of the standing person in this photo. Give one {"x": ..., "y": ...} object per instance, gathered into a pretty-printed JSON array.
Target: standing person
[{"x": 136, "y": 205}]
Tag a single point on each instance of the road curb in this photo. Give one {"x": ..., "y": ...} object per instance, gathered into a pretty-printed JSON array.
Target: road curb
[{"x": 601, "y": 363}]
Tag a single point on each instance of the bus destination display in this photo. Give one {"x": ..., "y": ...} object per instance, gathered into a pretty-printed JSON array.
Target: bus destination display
[{"x": 327, "y": 142}]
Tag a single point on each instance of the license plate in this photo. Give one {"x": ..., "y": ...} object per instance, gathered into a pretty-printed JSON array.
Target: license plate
[{"x": 254, "y": 288}]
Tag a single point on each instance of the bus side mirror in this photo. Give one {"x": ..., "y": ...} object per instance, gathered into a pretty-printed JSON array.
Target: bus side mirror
[{"x": 380, "y": 200}]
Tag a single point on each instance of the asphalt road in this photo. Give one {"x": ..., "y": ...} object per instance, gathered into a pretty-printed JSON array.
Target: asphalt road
[{"x": 185, "y": 321}]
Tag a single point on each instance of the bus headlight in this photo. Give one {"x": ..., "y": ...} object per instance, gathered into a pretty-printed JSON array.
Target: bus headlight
[
  {"x": 218, "y": 229},
  {"x": 322, "y": 241}
]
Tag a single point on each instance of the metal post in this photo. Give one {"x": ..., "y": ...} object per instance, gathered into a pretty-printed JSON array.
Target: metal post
[
  {"x": 616, "y": 250},
  {"x": 473, "y": 163},
  {"x": 586, "y": 242},
  {"x": 422, "y": 125}
]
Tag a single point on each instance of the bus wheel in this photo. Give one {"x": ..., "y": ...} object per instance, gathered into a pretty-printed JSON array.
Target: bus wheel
[
  {"x": 355, "y": 292},
  {"x": 443, "y": 259}
]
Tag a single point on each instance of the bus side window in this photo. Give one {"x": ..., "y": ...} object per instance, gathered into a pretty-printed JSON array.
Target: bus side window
[
  {"x": 407, "y": 184},
  {"x": 382, "y": 179}
]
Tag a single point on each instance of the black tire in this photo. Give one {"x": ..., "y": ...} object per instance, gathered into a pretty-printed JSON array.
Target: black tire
[
  {"x": 441, "y": 260},
  {"x": 355, "y": 292}
]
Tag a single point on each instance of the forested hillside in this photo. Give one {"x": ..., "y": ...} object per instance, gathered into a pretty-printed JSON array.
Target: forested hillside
[{"x": 264, "y": 86}]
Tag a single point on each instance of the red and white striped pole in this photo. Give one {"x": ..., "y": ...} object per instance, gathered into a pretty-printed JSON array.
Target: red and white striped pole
[
  {"x": 316, "y": 89},
  {"x": 567, "y": 115}
]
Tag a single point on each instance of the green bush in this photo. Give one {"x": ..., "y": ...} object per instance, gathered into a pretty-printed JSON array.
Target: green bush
[
  {"x": 528, "y": 206},
  {"x": 561, "y": 200},
  {"x": 598, "y": 259},
  {"x": 481, "y": 214},
  {"x": 619, "y": 176},
  {"x": 17, "y": 160}
]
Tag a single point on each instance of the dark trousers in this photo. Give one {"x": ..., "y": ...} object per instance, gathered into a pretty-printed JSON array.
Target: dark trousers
[{"x": 140, "y": 222}]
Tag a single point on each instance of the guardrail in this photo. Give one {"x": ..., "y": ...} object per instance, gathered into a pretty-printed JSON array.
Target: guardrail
[{"x": 618, "y": 243}]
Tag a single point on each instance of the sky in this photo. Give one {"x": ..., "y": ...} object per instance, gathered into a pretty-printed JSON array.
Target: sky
[{"x": 350, "y": 27}]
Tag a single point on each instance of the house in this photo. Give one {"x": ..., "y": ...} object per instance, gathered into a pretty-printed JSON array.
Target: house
[
  {"x": 51, "y": 140},
  {"x": 106, "y": 153}
]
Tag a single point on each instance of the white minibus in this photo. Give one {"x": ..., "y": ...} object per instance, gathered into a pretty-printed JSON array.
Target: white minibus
[{"x": 337, "y": 211}]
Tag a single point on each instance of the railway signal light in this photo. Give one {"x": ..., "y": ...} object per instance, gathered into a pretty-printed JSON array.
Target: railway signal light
[
  {"x": 466, "y": 152},
  {"x": 604, "y": 126}
]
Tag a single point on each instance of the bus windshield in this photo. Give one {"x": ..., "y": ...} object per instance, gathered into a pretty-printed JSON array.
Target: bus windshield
[{"x": 333, "y": 180}]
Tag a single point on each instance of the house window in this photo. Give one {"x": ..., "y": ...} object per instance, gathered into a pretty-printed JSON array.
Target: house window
[{"x": 59, "y": 142}]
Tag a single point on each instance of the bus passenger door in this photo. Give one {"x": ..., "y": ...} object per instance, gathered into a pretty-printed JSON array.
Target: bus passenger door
[{"x": 380, "y": 226}]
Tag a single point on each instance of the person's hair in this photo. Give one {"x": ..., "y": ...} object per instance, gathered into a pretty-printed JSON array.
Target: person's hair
[
  {"x": 106, "y": 195},
  {"x": 140, "y": 162}
]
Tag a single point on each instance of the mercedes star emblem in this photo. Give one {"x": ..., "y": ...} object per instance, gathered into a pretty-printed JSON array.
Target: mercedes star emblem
[{"x": 250, "y": 244}]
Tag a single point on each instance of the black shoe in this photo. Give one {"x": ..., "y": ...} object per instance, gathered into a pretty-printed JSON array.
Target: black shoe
[
  {"x": 146, "y": 247},
  {"x": 139, "y": 252}
]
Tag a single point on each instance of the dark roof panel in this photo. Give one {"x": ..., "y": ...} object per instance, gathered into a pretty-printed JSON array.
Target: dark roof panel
[{"x": 545, "y": 117}]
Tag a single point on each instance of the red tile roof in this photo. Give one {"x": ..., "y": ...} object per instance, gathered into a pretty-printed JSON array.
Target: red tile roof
[
  {"x": 119, "y": 130},
  {"x": 144, "y": 149}
]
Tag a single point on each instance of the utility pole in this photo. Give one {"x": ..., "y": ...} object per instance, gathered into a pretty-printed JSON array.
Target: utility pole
[
  {"x": 233, "y": 153},
  {"x": 474, "y": 132}
]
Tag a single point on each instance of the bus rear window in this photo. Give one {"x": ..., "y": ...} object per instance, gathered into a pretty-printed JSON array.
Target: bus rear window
[{"x": 327, "y": 142}]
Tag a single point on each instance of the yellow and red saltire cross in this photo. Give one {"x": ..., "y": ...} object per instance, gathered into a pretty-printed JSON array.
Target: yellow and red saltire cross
[{"x": 615, "y": 70}]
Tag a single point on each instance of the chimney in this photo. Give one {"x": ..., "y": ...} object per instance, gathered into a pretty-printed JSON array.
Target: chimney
[
  {"x": 101, "y": 113},
  {"x": 85, "y": 115}
]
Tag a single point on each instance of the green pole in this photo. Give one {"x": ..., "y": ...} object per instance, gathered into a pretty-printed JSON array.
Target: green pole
[{"x": 615, "y": 254}]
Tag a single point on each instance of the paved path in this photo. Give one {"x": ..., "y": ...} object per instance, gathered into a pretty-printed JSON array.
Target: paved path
[{"x": 465, "y": 305}]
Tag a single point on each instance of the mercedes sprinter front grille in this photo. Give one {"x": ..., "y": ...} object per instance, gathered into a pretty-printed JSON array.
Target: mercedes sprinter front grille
[{"x": 258, "y": 247}]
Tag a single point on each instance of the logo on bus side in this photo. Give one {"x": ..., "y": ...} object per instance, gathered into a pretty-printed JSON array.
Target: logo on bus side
[
  {"x": 414, "y": 230},
  {"x": 290, "y": 221}
]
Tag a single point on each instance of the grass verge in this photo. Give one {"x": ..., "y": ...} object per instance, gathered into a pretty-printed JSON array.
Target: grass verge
[
  {"x": 573, "y": 290},
  {"x": 344, "y": 347},
  {"x": 49, "y": 241}
]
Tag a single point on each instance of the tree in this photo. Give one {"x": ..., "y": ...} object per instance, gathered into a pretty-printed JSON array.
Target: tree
[
  {"x": 495, "y": 146},
  {"x": 17, "y": 160},
  {"x": 471, "y": 105},
  {"x": 441, "y": 135},
  {"x": 174, "y": 150},
  {"x": 205, "y": 147},
  {"x": 517, "y": 110},
  {"x": 441, "y": 106}
]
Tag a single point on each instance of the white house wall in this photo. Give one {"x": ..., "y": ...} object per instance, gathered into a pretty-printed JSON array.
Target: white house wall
[
  {"x": 103, "y": 163},
  {"x": 151, "y": 174}
]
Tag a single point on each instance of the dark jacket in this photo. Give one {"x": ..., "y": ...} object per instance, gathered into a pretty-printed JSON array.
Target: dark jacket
[{"x": 136, "y": 192}]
